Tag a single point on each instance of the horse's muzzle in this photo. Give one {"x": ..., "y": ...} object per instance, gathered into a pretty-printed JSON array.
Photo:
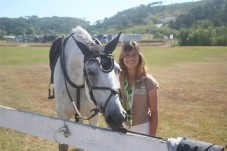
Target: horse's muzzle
[{"x": 116, "y": 119}]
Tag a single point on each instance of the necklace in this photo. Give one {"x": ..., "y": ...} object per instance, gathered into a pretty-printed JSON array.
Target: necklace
[{"x": 128, "y": 91}]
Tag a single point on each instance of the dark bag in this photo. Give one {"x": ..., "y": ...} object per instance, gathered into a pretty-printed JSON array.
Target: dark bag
[{"x": 192, "y": 145}]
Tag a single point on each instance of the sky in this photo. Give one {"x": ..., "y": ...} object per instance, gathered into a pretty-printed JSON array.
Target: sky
[{"x": 90, "y": 10}]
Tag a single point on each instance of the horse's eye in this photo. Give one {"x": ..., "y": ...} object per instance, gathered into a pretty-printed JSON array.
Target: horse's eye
[{"x": 91, "y": 73}]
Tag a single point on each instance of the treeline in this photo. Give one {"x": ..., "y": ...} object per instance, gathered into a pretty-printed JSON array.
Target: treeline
[
  {"x": 134, "y": 20},
  {"x": 33, "y": 25},
  {"x": 203, "y": 36},
  {"x": 203, "y": 25}
]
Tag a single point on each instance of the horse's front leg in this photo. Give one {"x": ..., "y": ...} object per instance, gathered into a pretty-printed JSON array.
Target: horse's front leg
[{"x": 63, "y": 147}]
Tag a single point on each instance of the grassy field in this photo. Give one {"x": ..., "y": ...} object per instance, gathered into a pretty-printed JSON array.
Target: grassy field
[{"x": 192, "y": 93}]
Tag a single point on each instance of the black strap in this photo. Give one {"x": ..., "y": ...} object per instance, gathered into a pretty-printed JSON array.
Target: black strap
[
  {"x": 67, "y": 79},
  {"x": 77, "y": 104},
  {"x": 62, "y": 59}
]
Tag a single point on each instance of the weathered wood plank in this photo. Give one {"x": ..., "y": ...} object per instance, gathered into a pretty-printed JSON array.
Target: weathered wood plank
[{"x": 82, "y": 136}]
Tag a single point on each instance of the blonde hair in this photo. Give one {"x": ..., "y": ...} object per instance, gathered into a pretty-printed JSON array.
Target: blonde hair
[{"x": 127, "y": 47}]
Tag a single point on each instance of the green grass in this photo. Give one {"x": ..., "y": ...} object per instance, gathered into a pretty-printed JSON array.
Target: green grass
[{"x": 23, "y": 55}]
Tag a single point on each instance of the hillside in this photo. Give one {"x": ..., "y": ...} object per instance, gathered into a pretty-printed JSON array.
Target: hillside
[
  {"x": 139, "y": 19},
  {"x": 214, "y": 11},
  {"x": 126, "y": 19}
]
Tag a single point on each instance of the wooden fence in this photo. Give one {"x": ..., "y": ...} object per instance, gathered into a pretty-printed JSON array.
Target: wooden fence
[{"x": 75, "y": 134}]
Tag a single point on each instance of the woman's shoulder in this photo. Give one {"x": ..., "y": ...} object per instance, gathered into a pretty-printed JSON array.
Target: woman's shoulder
[{"x": 150, "y": 82}]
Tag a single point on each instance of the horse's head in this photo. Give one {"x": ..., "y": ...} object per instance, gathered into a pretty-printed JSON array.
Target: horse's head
[{"x": 102, "y": 80}]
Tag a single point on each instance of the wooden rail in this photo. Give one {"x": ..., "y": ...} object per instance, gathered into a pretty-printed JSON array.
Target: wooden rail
[{"x": 75, "y": 134}]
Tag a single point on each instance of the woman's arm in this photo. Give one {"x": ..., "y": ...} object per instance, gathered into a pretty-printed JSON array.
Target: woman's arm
[{"x": 153, "y": 104}]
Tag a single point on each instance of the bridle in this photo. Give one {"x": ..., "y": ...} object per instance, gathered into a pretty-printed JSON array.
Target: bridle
[
  {"x": 98, "y": 109},
  {"x": 91, "y": 88}
]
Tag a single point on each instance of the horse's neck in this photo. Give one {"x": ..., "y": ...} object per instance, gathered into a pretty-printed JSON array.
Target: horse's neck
[{"x": 74, "y": 62}]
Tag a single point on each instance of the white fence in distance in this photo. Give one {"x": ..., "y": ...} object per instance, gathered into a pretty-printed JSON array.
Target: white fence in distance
[{"x": 78, "y": 135}]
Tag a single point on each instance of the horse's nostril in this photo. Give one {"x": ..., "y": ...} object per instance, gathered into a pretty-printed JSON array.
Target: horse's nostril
[
  {"x": 113, "y": 121},
  {"x": 109, "y": 120}
]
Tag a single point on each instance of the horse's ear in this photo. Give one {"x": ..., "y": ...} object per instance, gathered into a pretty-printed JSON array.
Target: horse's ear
[
  {"x": 84, "y": 48},
  {"x": 109, "y": 48}
]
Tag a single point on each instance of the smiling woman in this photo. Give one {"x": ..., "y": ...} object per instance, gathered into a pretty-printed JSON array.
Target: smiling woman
[{"x": 140, "y": 94}]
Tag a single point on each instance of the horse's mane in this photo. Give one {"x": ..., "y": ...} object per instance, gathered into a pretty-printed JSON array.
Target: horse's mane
[{"x": 82, "y": 34}]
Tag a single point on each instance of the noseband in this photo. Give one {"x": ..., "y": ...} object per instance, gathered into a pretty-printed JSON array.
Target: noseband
[{"x": 91, "y": 88}]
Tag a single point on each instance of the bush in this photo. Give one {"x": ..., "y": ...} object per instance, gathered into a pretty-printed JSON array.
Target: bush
[{"x": 203, "y": 37}]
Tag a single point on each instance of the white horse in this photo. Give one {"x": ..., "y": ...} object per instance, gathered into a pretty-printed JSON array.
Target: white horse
[{"x": 86, "y": 80}]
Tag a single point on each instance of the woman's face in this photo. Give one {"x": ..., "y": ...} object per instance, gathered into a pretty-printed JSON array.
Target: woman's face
[{"x": 131, "y": 59}]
